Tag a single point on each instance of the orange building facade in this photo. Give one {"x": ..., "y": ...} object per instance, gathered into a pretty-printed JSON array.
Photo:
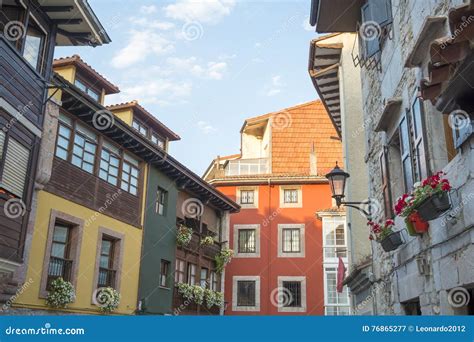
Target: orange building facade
[{"x": 287, "y": 237}]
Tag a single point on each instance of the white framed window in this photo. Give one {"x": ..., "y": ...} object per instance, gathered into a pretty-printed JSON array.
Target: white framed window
[
  {"x": 291, "y": 196},
  {"x": 246, "y": 293},
  {"x": 292, "y": 294},
  {"x": 247, "y": 197},
  {"x": 335, "y": 304},
  {"x": 246, "y": 240},
  {"x": 334, "y": 239},
  {"x": 291, "y": 240}
]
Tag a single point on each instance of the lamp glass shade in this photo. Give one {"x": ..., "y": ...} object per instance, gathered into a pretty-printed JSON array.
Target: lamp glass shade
[{"x": 337, "y": 180}]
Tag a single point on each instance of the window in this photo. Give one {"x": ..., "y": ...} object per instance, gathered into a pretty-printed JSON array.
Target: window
[
  {"x": 204, "y": 276},
  {"x": 84, "y": 148},
  {"x": 34, "y": 44},
  {"x": 140, "y": 127},
  {"x": 292, "y": 294},
  {"x": 293, "y": 289},
  {"x": 335, "y": 303},
  {"x": 419, "y": 155},
  {"x": 405, "y": 151},
  {"x": 86, "y": 89},
  {"x": 334, "y": 238},
  {"x": 59, "y": 263},
  {"x": 412, "y": 307},
  {"x": 191, "y": 274},
  {"x": 291, "y": 240},
  {"x": 62, "y": 144},
  {"x": 384, "y": 170},
  {"x": 290, "y": 196},
  {"x": 247, "y": 241},
  {"x": 165, "y": 267},
  {"x": 129, "y": 181},
  {"x": 179, "y": 271},
  {"x": 161, "y": 196},
  {"x": 245, "y": 293},
  {"x": 15, "y": 158},
  {"x": 157, "y": 140},
  {"x": 214, "y": 281},
  {"x": 379, "y": 12},
  {"x": 246, "y": 196},
  {"x": 107, "y": 272},
  {"x": 109, "y": 163}
]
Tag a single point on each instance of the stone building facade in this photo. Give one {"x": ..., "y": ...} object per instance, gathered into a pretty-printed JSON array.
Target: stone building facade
[{"x": 415, "y": 59}]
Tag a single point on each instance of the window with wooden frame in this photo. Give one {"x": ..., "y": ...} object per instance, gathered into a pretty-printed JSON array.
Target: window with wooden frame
[
  {"x": 291, "y": 238},
  {"x": 60, "y": 263},
  {"x": 107, "y": 271},
  {"x": 130, "y": 172},
  {"x": 386, "y": 187},
  {"x": 420, "y": 169},
  {"x": 161, "y": 198},
  {"x": 34, "y": 44},
  {"x": 80, "y": 146},
  {"x": 158, "y": 140},
  {"x": 86, "y": 88},
  {"x": 14, "y": 163},
  {"x": 246, "y": 293},
  {"x": 84, "y": 148},
  {"x": 191, "y": 274},
  {"x": 109, "y": 163},
  {"x": 214, "y": 281},
  {"x": 140, "y": 127},
  {"x": 247, "y": 241},
  {"x": 247, "y": 196},
  {"x": 405, "y": 152},
  {"x": 179, "y": 273},
  {"x": 164, "y": 273},
  {"x": 204, "y": 279}
]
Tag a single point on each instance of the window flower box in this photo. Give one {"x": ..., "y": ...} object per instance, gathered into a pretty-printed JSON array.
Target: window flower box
[
  {"x": 434, "y": 206},
  {"x": 392, "y": 241}
]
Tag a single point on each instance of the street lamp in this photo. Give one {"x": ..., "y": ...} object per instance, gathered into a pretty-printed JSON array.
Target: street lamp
[{"x": 337, "y": 180}]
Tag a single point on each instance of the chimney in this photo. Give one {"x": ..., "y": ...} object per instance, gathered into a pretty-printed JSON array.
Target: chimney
[{"x": 313, "y": 161}]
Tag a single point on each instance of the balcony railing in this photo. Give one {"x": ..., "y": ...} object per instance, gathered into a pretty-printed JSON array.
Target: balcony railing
[
  {"x": 57, "y": 268},
  {"x": 106, "y": 277},
  {"x": 241, "y": 167}
]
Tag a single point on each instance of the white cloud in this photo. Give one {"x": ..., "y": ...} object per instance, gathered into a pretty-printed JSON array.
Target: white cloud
[
  {"x": 274, "y": 87},
  {"x": 141, "y": 44},
  {"x": 306, "y": 25},
  {"x": 148, "y": 9},
  {"x": 257, "y": 45},
  {"x": 152, "y": 24},
  {"x": 206, "y": 127},
  {"x": 209, "y": 11},
  {"x": 191, "y": 65}
]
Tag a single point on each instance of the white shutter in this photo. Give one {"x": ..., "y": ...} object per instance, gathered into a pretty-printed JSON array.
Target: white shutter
[
  {"x": 2, "y": 140},
  {"x": 15, "y": 167}
]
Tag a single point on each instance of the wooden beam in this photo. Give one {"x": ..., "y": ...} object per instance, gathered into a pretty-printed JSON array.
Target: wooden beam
[
  {"x": 57, "y": 8},
  {"x": 72, "y": 21}
]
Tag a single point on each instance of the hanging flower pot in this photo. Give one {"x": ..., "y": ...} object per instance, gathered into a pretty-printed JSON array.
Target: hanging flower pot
[
  {"x": 410, "y": 228},
  {"x": 434, "y": 206},
  {"x": 419, "y": 224},
  {"x": 392, "y": 241}
]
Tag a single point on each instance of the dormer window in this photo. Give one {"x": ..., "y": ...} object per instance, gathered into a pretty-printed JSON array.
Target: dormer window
[
  {"x": 140, "y": 127},
  {"x": 86, "y": 89},
  {"x": 157, "y": 140}
]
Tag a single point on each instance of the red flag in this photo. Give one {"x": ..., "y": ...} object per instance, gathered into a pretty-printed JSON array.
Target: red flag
[{"x": 341, "y": 274}]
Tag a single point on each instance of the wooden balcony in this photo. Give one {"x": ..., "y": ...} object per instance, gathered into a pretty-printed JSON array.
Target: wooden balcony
[{"x": 184, "y": 307}]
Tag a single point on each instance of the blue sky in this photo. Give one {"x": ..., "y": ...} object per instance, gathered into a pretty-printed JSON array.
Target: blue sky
[{"x": 202, "y": 67}]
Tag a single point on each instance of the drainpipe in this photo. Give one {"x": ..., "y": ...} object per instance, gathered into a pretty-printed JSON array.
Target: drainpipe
[{"x": 269, "y": 184}]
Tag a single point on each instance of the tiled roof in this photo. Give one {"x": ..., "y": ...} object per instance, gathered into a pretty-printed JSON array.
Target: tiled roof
[
  {"x": 109, "y": 87},
  {"x": 297, "y": 132},
  {"x": 134, "y": 104}
]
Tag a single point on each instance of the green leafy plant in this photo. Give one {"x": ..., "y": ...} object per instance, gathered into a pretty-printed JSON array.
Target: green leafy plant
[
  {"x": 186, "y": 290},
  {"x": 184, "y": 235},
  {"x": 207, "y": 241},
  {"x": 223, "y": 258},
  {"x": 107, "y": 299},
  {"x": 61, "y": 294},
  {"x": 198, "y": 294},
  {"x": 379, "y": 232}
]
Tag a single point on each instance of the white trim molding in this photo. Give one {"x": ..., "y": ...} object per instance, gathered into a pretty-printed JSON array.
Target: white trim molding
[
  {"x": 298, "y": 204},
  {"x": 301, "y": 253},
  {"x": 256, "y": 279},
  {"x": 302, "y": 280},
  {"x": 238, "y": 227},
  {"x": 253, "y": 205}
]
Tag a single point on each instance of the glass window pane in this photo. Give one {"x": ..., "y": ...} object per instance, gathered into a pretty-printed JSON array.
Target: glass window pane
[{"x": 58, "y": 250}]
